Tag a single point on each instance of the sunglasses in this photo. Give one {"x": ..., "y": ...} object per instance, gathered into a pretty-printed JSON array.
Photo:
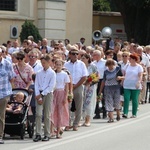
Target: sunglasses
[
  {"x": 124, "y": 56},
  {"x": 32, "y": 57},
  {"x": 74, "y": 54},
  {"x": 56, "y": 48},
  {"x": 19, "y": 58}
]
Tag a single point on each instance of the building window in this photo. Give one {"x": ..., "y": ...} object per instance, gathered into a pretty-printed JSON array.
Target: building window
[{"x": 8, "y": 5}]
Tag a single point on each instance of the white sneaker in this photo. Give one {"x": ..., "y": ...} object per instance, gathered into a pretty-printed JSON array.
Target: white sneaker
[{"x": 1, "y": 140}]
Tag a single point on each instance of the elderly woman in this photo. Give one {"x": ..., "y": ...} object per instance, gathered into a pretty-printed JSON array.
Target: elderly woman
[
  {"x": 89, "y": 102},
  {"x": 132, "y": 85},
  {"x": 23, "y": 72},
  {"x": 111, "y": 85}
]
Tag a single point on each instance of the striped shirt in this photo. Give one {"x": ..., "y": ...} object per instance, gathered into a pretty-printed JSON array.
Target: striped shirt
[{"x": 6, "y": 74}]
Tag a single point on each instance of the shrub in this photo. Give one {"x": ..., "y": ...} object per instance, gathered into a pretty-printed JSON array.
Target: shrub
[{"x": 28, "y": 28}]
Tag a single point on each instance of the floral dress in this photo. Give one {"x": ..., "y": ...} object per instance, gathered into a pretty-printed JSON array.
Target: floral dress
[
  {"x": 90, "y": 95},
  {"x": 26, "y": 74}
]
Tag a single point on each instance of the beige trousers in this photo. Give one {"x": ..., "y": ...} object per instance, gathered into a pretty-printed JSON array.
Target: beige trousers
[
  {"x": 3, "y": 104},
  {"x": 44, "y": 109},
  {"x": 78, "y": 98}
]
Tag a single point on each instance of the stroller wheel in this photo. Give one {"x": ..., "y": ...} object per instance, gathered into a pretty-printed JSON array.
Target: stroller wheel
[{"x": 30, "y": 129}]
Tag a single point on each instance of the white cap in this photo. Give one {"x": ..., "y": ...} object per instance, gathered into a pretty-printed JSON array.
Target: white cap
[{"x": 0, "y": 50}]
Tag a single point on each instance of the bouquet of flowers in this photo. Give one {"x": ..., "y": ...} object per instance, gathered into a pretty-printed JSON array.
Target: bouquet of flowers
[
  {"x": 70, "y": 97},
  {"x": 99, "y": 97},
  {"x": 92, "y": 79}
]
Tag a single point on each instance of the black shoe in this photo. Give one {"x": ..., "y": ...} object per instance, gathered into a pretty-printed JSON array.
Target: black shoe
[
  {"x": 46, "y": 138},
  {"x": 1, "y": 141},
  {"x": 37, "y": 138},
  {"x": 143, "y": 102},
  {"x": 97, "y": 117},
  {"x": 118, "y": 118},
  {"x": 104, "y": 116},
  {"x": 124, "y": 116}
]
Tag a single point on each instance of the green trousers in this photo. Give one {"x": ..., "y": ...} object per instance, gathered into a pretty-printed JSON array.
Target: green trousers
[{"x": 132, "y": 95}]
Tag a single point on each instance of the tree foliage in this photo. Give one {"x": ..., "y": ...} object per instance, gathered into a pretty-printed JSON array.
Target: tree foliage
[
  {"x": 135, "y": 15},
  {"x": 101, "y": 5},
  {"x": 104, "y": 5},
  {"x": 136, "y": 19},
  {"x": 28, "y": 28}
]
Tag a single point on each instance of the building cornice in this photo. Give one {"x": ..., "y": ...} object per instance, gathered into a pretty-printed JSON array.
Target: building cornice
[
  {"x": 102, "y": 13},
  {"x": 62, "y": 1},
  {"x": 15, "y": 17}
]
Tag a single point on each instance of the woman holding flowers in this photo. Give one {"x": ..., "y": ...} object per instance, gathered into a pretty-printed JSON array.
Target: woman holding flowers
[{"x": 89, "y": 102}]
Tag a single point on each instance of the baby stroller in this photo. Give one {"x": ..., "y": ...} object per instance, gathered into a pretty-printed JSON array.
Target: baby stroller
[{"x": 18, "y": 124}]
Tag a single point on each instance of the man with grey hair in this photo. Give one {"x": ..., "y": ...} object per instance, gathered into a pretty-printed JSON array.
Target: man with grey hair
[
  {"x": 45, "y": 45},
  {"x": 33, "y": 60},
  {"x": 31, "y": 38},
  {"x": 100, "y": 64}
]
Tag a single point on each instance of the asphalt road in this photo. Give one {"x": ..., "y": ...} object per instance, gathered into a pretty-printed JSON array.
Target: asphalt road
[{"x": 127, "y": 134}]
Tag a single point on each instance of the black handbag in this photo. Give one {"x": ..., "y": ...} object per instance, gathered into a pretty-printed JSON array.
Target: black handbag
[{"x": 73, "y": 107}]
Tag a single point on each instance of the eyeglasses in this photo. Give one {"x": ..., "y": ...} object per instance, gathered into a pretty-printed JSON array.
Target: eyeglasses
[
  {"x": 74, "y": 54},
  {"x": 19, "y": 58},
  {"x": 124, "y": 56},
  {"x": 32, "y": 57}
]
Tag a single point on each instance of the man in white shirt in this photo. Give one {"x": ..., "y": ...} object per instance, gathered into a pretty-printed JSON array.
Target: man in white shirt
[
  {"x": 45, "y": 45},
  {"x": 37, "y": 66},
  {"x": 44, "y": 85},
  {"x": 33, "y": 60},
  {"x": 78, "y": 73},
  {"x": 100, "y": 64}
]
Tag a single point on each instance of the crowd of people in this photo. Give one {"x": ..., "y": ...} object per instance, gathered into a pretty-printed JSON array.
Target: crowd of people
[{"x": 69, "y": 81}]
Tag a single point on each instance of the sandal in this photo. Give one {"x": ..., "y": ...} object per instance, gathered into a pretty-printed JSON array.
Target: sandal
[
  {"x": 53, "y": 136},
  {"x": 133, "y": 116},
  {"x": 67, "y": 128},
  {"x": 59, "y": 137},
  {"x": 61, "y": 132},
  {"x": 110, "y": 120}
]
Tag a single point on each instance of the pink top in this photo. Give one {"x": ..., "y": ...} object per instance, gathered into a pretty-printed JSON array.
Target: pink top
[{"x": 26, "y": 75}]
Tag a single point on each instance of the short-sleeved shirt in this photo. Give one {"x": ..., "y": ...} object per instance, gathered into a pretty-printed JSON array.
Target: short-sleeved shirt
[
  {"x": 6, "y": 74},
  {"x": 131, "y": 76},
  {"x": 100, "y": 66},
  {"x": 77, "y": 70},
  {"x": 61, "y": 79},
  {"x": 110, "y": 77}
]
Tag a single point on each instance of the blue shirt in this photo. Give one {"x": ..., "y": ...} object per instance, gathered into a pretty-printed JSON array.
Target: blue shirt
[{"x": 6, "y": 74}]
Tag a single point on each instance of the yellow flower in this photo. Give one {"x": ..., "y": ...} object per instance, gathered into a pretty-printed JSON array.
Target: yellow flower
[{"x": 94, "y": 77}]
